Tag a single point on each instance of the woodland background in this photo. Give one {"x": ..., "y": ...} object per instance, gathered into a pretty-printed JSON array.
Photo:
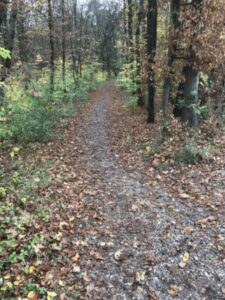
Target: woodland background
[{"x": 167, "y": 58}]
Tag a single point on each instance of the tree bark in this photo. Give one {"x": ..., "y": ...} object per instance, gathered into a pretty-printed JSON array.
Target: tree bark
[
  {"x": 3, "y": 12},
  {"x": 175, "y": 24},
  {"x": 63, "y": 46},
  {"x": 191, "y": 86},
  {"x": 10, "y": 33},
  {"x": 130, "y": 30},
  {"x": 23, "y": 41},
  {"x": 151, "y": 51},
  {"x": 139, "y": 93},
  {"x": 52, "y": 46}
]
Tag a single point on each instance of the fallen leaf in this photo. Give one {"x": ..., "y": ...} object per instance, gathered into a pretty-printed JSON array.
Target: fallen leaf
[
  {"x": 184, "y": 260},
  {"x": 75, "y": 258},
  {"x": 96, "y": 255},
  {"x": 140, "y": 276},
  {"x": 32, "y": 295},
  {"x": 184, "y": 196},
  {"x": 189, "y": 229},
  {"x": 186, "y": 257},
  {"x": 31, "y": 269},
  {"x": 173, "y": 290}
]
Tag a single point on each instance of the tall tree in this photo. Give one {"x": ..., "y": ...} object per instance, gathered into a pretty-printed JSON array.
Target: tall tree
[
  {"x": 130, "y": 30},
  {"x": 23, "y": 46},
  {"x": 140, "y": 7},
  {"x": 52, "y": 46},
  {"x": 63, "y": 45},
  {"x": 9, "y": 32},
  {"x": 175, "y": 9},
  {"x": 152, "y": 14}
]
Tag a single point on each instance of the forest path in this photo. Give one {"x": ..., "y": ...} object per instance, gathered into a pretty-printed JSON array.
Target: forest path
[{"x": 127, "y": 234}]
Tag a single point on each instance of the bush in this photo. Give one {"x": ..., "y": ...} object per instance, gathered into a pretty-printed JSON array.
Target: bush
[
  {"x": 30, "y": 111},
  {"x": 32, "y": 125},
  {"x": 188, "y": 155},
  {"x": 191, "y": 153}
]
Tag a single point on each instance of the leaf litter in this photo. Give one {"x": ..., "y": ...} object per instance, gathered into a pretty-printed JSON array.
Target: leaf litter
[{"x": 121, "y": 227}]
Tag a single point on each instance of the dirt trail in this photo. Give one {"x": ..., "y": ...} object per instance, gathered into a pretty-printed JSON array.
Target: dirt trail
[{"x": 132, "y": 242}]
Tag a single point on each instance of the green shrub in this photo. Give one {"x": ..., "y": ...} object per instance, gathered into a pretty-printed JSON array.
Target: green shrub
[
  {"x": 32, "y": 125},
  {"x": 191, "y": 153},
  {"x": 188, "y": 155},
  {"x": 30, "y": 111}
]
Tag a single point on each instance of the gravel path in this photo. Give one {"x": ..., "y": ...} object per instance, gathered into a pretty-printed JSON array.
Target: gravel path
[{"x": 142, "y": 246}]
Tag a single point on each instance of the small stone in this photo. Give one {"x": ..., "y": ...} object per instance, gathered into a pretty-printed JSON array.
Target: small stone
[
  {"x": 122, "y": 255},
  {"x": 76, "y": 270}
]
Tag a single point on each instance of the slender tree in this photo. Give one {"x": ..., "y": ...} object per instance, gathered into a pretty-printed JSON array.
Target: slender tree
[
  {"x": 63, "y": 45},
  {"x": 52, "y": 46},
  {"x": 175, "y": 9},
  {"x": 130, "y": 30},
  {"x": 152, "y": 14},
  {"x": 140, "y": 7}
]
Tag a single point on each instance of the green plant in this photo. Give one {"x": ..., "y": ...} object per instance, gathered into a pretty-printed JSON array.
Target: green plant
[
  {"x": 32, "y": 125},
  {"x": 191, "y": 153},
  {"x": 4, "y": 53}
]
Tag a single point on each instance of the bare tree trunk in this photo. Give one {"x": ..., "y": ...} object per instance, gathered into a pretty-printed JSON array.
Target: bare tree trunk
[
  {"x": 52, "y": 47},
  {"x": 130, "y": 30},
  {"x": 23, "y": 41},
  {"x": 191, "y": 96},
  {"x": 139, "y": 93},
  {"x": 3, "y": 12},
  {"x": 125, "y": 25},
  {"x": 63, "y": 46},
  {"x": 191, "y": 84},
  {"x": 175, "y": 23},
  {"x": 152, "y": 15},
  {"x": 10, "y": 33}
]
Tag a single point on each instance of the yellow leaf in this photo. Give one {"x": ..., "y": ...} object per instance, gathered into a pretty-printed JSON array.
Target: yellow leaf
[
  {"x": 31, "y": 269},
  {"x": 71, "y": 219},
  {"x": 186, "y": 257},
  {"x": 16, "y": 149},
  {"x": 51, "y": 295},
  {"x": 184, "y": 260},
  {"x": 32, "y": 295}
]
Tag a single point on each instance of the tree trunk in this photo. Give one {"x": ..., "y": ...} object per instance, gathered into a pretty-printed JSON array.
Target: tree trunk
[
  {"x": 191, "y": 87},
  {"x": 125, "y": 42},
  {"x": 175, "y": 24},
  {"x": 151, "y": 51},
  {"x": 3, "y": 12},
  {"x": 139, "y": 93},
  {"x": 10, "y": 33},
  {"x": 130, "y": 30},
  {"x": 23, "y": 41},
  {"x": 191, "y": 83},
  {"x": 52, "y": 47},
  {"x": 63, "y": 46}
]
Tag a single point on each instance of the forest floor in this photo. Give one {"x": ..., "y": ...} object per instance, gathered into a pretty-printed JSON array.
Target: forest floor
[{"x": 121, "y": 226}]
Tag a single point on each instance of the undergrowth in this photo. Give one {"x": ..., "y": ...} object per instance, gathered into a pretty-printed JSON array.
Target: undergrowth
[{"x": 30, "y": 111}]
